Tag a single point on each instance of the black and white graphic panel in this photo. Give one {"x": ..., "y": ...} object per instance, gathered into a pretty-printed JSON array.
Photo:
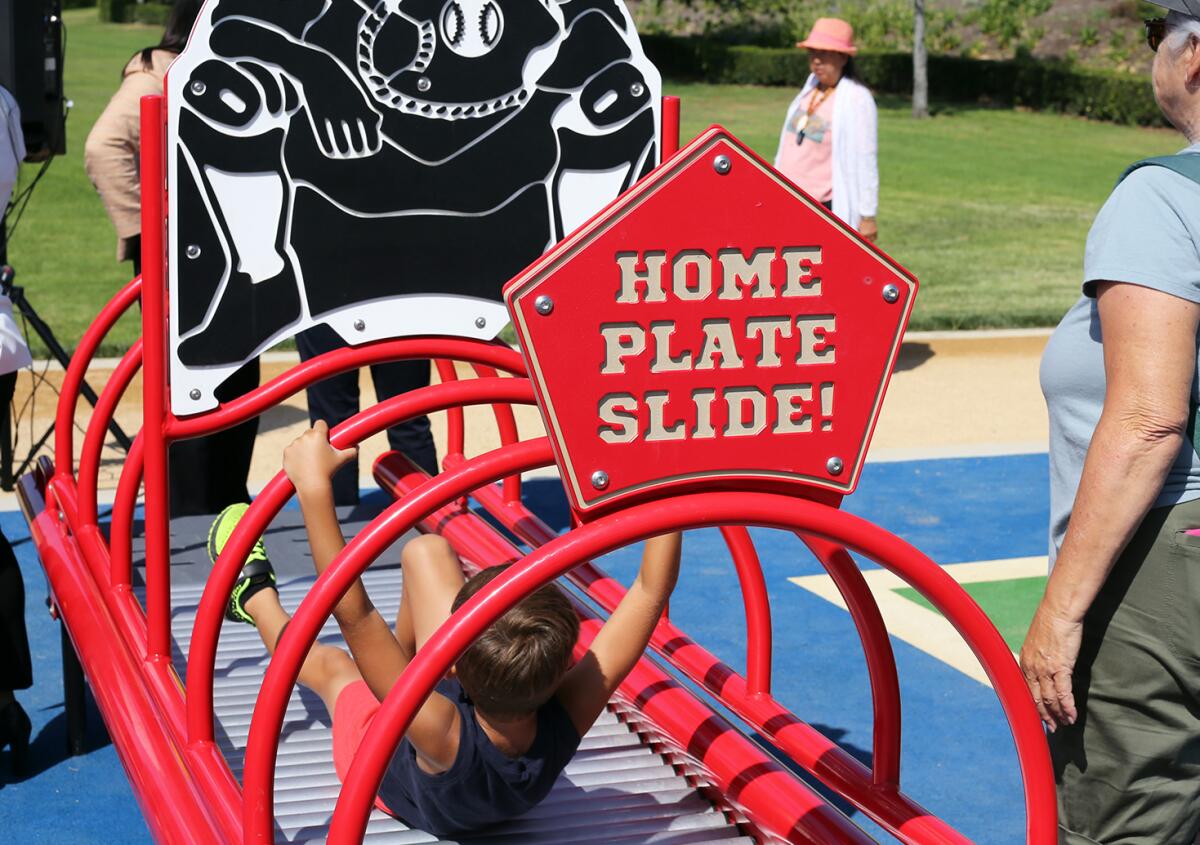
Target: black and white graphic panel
[{"x": 385, "y": 167}]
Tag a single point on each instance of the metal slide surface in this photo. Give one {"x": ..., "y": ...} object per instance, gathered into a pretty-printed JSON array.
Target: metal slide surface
[{"x": 616, "y": 790}]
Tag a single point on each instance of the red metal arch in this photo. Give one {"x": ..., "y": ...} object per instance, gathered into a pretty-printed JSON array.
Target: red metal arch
[
  {"x": 210, "y": 613},
  {"x": 612, "y": 532}
]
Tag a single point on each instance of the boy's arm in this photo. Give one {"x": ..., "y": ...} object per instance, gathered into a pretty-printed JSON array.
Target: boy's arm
[
  {"x": 310, "y": 462},
  {"x": 620, "y": 643}
]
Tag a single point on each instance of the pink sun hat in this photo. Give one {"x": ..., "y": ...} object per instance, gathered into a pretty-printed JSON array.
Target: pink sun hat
[{"x": 830, "y": 34}]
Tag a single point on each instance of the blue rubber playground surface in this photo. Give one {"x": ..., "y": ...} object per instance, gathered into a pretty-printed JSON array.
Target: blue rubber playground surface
[{"x": 958, "y": 755}]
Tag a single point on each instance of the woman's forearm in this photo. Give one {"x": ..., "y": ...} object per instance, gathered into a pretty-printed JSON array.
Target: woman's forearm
[{"x": 1126, "y": 465}]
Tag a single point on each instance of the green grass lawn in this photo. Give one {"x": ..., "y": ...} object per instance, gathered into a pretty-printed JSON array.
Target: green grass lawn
[
  {"x": 989, "y": 208},
  {"x": 64, "y": 250}
]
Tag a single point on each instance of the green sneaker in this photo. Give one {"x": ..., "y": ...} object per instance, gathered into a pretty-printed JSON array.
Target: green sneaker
[{"x": 257, "y": 573}]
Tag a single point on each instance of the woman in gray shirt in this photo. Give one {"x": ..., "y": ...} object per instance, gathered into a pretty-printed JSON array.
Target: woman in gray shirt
[{"x": 1113, "y": 655}]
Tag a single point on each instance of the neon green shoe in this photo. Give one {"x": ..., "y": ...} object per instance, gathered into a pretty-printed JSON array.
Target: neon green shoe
[{"x": 257, "y": 573}]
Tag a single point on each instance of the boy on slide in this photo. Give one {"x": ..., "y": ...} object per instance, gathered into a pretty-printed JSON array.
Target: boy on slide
[{"x": 489, "y": 743}]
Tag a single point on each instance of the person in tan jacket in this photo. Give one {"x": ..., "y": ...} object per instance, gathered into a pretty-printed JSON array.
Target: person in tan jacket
[
  {"x": 110, "y": 153},
  {"x": 207, "y": 473}
]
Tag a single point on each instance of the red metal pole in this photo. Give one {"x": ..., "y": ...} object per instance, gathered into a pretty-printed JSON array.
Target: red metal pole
[
  {"x": 265, "y": 725},
  {"x": 155, "y": 414},
  {"x": 221, "y": 793},
  {"x": 455, "y": 425},
  {"x": 877, "y": 648},
  {"x": 758, "y": 608},
  {"x": 696, "y": 511},
  {"x": 120, "y": 527},
  {"x": 210, "y": 612},
  {"x": 93, "y": 441},
  {"x": 81, "y": 358},
  {"x": 176, "y": 810},
  {"x": 670, "y": 127}
]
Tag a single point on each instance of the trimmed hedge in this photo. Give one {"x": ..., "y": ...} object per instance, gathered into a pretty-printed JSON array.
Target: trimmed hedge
[
  {"x": 130, "y": 11},
  {"x": 113, "y": 11},
  {"x": 148, "y": 13},
  {"x": 1025, "y": 82}
]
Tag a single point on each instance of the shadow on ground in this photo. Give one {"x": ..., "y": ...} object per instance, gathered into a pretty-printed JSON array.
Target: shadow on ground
[{"x": 48, "y": 747}]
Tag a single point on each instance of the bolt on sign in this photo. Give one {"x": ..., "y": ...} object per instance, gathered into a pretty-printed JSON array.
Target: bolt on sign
[{"x": 713, "y": 324}]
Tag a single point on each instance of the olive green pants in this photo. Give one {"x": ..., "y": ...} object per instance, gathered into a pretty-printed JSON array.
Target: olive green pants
[{"x": 1128, "y": 771}]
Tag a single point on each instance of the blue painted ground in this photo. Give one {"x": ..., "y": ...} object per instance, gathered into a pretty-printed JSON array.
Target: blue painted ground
[{"x": 958, "y": 757}]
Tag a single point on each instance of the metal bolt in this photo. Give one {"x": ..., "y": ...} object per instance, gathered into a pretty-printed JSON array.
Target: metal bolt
[
  {"x": 198, "y": 88},
  {"x": 890, "y": 293},
  {"x": 544, "y": 305},
  {"x": 359, "y": 325},
  {"x": 600, "y": 479},
  {"x": 192, "y": 251},
  {"x": 194, "y": 393},
  {"x": 722, "y": 164},
  {"x": 423, "y": 84},
  {"x": 480, "y": 322},
  {"x": 835, "y": 466},
  {"x": 637, "y": 89}
]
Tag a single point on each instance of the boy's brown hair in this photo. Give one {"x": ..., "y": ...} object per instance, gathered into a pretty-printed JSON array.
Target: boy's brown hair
[{"x": 517, "y": 663}]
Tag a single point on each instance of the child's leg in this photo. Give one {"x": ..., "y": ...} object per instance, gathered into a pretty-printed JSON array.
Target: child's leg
[
  {"x": 327, "y": 670},
  {"x": 432, "y": 578}
]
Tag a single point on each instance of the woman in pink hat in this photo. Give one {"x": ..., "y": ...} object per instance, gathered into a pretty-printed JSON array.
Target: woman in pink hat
[{"x": 828, "y": 144}]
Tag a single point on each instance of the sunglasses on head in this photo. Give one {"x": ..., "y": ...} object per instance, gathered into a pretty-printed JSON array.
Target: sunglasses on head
[{"x": 1156, "y": 31}]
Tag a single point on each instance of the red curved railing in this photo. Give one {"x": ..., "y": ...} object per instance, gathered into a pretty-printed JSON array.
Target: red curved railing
[
  {"x": 81, "y": 359},
  {"x": 867, "y": 789},
  {"x": 600, "y": 537},
  {"x": 342, "y": 360},
  {"x": 161, "y": 428},
  {"x": 877, "y": 649},
  {"x": 93, "y": 439},
  {"x": 284, "y": 668},
  {"x": 120, "y": 526},
  {"x": 210, "y": 612},
  {"x": 455, "y": 425},
  {"x": 757, "y": 604},
  {"x": 506, "y": 425}
]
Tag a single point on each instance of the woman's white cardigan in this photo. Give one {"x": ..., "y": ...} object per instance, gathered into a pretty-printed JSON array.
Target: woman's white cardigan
[{"x": 855, "y": 146}]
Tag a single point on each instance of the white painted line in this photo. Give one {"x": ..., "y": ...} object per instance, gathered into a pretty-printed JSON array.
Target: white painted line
[
  {"x": 919, "y": 626},
  {"x": 967, "y": 450},
  {"x": 977, "y": 334}
]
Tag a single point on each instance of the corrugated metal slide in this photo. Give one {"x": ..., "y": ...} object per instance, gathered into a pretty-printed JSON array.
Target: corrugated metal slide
[{"x": 616, "y": 790}]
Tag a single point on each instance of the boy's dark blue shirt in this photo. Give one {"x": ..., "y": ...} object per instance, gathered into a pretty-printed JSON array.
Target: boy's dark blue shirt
[{"x": 484, "y": 786}]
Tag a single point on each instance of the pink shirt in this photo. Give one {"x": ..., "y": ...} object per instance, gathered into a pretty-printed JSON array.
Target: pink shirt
[{"x": 810, "y": 164}]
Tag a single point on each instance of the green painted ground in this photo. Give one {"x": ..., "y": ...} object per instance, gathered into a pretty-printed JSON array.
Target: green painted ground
[
  {"x": 1009, "y": 604},
  {"x": 989, "y": 208}
]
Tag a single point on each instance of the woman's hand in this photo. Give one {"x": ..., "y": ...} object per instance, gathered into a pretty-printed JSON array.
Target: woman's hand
[
  {"x": 869, "y": 229},
  {"x": 1048, "y": 662}
]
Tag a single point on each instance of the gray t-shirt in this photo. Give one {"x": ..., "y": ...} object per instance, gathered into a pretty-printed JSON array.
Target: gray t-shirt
[{"x": 1148, "y": 234}]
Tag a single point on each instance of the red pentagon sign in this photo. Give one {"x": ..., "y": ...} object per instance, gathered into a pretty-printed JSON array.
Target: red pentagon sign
[{"x": 712, "y": 325}]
